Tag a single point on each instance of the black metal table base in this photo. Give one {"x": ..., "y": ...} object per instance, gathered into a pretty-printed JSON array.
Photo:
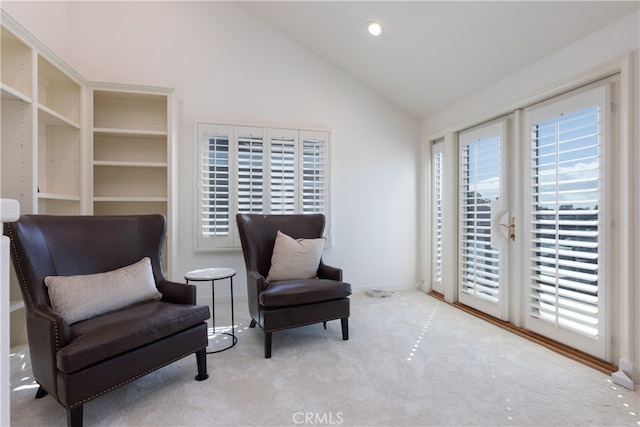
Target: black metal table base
[
  {"x": 234, "y": 341},
  {"x": 234, "y": 338}
]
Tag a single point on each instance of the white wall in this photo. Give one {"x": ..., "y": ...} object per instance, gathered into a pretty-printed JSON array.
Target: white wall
[
  {"x": 226, "y": 66},
  {"x": 39, "y": 16},
  {"x": 562, "y": 68}
]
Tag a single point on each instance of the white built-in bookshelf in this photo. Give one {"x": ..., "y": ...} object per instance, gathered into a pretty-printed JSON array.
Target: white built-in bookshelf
[
  {"x": 75, "y": 147},
  {"x": 132, "y": 140}
]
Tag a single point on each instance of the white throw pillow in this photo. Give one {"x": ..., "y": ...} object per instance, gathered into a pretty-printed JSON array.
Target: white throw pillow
[
  {"x": 295, "y": 258},
  {"x": 82, "y": 297}
]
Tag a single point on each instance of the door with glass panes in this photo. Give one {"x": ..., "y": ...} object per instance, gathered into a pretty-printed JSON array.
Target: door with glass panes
[
  {"x": 482, "y": 206},
  {"x": 567, "y": 219},
  {"x": 558, "y": 254}
]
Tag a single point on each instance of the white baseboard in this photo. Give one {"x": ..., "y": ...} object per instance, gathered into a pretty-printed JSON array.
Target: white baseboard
[{"x": 624, "y": 375}]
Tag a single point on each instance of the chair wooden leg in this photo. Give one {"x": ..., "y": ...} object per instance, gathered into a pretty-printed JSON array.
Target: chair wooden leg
[
  {"x": 325, "y": 324},
  {"x": 201, "y": 360},
  {"x": 74, "y": 417},
  {"x": 41, "y": 393},
  {"x": 267, "y": 345},
  {"x": 345, "y": 328}
]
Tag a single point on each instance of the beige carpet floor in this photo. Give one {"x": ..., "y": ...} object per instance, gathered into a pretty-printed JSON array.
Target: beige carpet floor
[{"x": 411, "y": 361}]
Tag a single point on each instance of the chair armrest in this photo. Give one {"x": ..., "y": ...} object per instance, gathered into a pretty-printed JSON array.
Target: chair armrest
[
  {"x": 56, "y": 330},
  {"x": 177, "y": 293},
  {"x": 255, "y": 282},
  {"x": 48, "y": 333},
  {"x": 329, "y": 272}
]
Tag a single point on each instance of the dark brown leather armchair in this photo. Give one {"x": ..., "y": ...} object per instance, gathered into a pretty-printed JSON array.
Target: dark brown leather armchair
[
  {"x": 288, "y": 304},
  {"x": 77, "y": 362}
]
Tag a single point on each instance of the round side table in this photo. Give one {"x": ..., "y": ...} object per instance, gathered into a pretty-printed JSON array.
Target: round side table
[{"x": 213, "y": 274}]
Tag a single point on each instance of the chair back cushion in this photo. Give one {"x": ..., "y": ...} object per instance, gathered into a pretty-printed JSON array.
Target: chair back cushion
[
  {"x": 258, "y": 235},
  {"x": 56, "y": 245}
]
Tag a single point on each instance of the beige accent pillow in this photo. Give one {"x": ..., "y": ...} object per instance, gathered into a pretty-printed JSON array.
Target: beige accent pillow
[
  {"x": 295, "y": 258},
  {"x": 82, "y": 297}
]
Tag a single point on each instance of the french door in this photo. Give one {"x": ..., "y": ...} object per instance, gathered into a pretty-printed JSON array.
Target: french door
[
  {"x": 483, "y": 206},
  {"x": 567, "y": 225},
  {"x": 549, "y": 275}
]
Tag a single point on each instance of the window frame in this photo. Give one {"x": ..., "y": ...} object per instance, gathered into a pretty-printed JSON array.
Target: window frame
[{"x": 259, "y": 158}]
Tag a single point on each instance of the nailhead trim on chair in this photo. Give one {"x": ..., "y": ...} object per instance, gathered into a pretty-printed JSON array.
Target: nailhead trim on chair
[
  {"x": 82, "y": 402},
  {"x": 26, "y": 288},
  {"x": 22, "y": 278}
]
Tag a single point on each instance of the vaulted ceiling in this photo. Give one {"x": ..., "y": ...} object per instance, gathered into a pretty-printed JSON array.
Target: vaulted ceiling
[{"x": 434, "y": 53}]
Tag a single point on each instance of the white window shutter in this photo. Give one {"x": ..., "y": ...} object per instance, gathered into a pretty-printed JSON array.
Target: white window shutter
[
  {"x": 283, "y": 171},
  {"x": 245, "y": 169},
  {"x": 315, "y": 180},
  {"x": 250, "y": 169},
  {"x": 215, "y": 184}
]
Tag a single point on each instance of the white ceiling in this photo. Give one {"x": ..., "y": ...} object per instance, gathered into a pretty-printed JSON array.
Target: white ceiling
[{"x": 434, "y": 53}]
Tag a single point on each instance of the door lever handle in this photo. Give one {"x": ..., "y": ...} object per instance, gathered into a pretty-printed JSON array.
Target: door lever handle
[{"x": 511, "y": 227}]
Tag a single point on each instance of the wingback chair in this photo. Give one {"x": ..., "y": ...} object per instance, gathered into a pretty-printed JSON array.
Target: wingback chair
[
  {"x": 93, "y": 267},
  {"x": 282, "y": 304}
]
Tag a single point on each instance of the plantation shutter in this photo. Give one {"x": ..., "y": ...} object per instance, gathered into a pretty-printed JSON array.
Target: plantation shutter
[
  {"x": 315, "y": 182},
  {"x": 283, "y": 171},
  {"x": 251, "y": 167},
  {"x": 437, "y": 182},
  {"x": 483, "y": 204},
  {"x": 245, "y": 169},
  {"x": 480, "y": 186},
  {"x": 565, "y": 221},
  {"x": 214, "y": 214},
  {"x": 567, "y": 213}
]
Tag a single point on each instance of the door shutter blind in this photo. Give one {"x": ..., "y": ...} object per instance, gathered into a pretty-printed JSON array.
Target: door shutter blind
[
  {"x": 480, "y": 187},
  {"x": 565, "y": 208},
  {"x": 436, "y": 262}
]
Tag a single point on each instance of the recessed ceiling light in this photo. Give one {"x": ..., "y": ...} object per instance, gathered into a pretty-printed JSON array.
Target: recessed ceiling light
[{"x": 375, "y": 28}]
